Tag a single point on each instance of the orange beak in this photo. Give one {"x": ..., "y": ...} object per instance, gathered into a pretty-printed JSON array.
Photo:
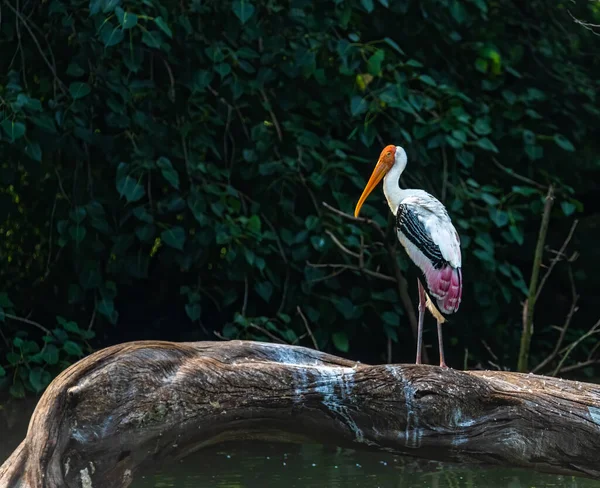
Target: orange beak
[{"x": 383, "y": 166}]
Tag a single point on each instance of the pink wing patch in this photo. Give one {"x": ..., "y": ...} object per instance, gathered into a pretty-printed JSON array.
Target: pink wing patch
[{"x": 445, "y": 285}]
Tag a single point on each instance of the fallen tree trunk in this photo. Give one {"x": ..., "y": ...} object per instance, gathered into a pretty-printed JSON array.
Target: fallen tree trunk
[{"x": 131, "y": 405}]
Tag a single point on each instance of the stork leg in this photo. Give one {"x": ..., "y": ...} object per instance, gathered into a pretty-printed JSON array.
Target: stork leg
[
  {"x": 420, "y": 325},
  {"x": 441, "y": 345}
]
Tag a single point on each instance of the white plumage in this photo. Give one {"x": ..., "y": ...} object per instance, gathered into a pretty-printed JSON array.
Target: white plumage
[{"x": 428, "y": 236}]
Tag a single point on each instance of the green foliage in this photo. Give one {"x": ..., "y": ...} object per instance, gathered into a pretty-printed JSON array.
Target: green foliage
[{"x": 145, "y": 138}]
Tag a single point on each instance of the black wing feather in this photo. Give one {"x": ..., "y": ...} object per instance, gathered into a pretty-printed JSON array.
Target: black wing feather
[{"x": 408, "y": 222}]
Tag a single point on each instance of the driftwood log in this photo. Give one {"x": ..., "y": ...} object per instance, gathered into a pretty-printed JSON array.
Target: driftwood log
[{"x": 134, "y": 404}]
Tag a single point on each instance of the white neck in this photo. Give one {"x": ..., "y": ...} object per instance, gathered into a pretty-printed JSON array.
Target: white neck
[{"x": 391, "y": 182}]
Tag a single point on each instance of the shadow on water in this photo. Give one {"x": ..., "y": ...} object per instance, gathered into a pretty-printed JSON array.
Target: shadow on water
[
  {"x": 254, "y": 465},
  {"x": 14, "y": 420}
]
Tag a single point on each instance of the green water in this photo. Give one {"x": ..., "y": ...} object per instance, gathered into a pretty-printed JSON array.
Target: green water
[
  {"x": 270, "y": 465},
  {"x": 245, "y": 465}
]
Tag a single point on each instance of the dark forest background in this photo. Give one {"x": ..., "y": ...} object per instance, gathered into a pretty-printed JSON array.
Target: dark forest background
[{"x": 181, "y": 171}]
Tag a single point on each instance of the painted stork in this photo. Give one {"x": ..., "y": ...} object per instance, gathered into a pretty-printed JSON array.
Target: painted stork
[{"x": 428, "y": 236}]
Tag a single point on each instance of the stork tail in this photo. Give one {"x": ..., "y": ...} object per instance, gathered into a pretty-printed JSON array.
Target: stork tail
[{"x": 445, "y": 285}]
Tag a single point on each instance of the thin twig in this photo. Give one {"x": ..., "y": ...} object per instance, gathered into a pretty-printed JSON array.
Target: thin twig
[
  {"x": 267, "y": 333},
  {"x": 589, "y": 333},
  {"x": 272, "y": 114},
  {"x": 171, "y": 91},
  {"x": 308, "y": 329},
  {"x": 225, "y": 102},
  {"x": 400, "y": 280},
  {"x": 245, "y": 302},
  {"x": 375, "y": 274},
  {"x": 556, "y": 259},
  {"x": 299, "y": 150},
  {"x": 341, "y": 246},
  {"x": 18, "y": 29},
  {"x": 91, "y": 324},
  {"x": 27, "y": 321},
  {"x": 444, "y": 174},
  {"x": 220, "y": 336},
  {"x": 299, "y": 338},
  {"x": 60, "y": 185},
  {"x": 517, "y": 176},
  {"x": 51, "y": 233},
  {"x": 361, "y": 255},
  {"x": 489, "y": 349},
  {"x": 530, "y": 303},
  {"x": 581, "y": 365},
  {"x": 355, "y": 219},
  {"x": 563, "y": 329},
  {"x": 329, "y": 276},
  {"x": 286, "y": 284},
  {"x": 26, "y": 24}
]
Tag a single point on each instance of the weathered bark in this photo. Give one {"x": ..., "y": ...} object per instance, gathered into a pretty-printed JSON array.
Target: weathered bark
[{"x": 134, "y": 404}]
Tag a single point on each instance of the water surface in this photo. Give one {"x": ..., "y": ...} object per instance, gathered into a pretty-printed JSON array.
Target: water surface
[
  {"x": 262, "y": 465},
  {"x": 274, "y": 465}
]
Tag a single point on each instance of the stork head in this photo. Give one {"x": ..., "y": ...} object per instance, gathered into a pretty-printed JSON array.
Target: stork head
[{"x": 391, "y": 156}]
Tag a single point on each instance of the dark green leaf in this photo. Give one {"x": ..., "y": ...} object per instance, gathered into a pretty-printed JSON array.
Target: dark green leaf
[
  {"x": 567, "y": 207},
  {"x": 142, "y": 214},
  {"x": 44, "y": 122},
  {"x": 106, "y": 307},
  {"x": 340, "y": 341},
  {"x": 243, "y": 10},
  {"x": 485, "y": 143},
  {"x": 130, "y": 188},
  {"x": 174, "y": 237},
  {"x": 489, "y": 199},
  {"x": 145, "y": 232},
  {"x": 223, "y": 69},
  {"x": 391, "y": 318},
  {"x": 78, "y": 90},
  {"x": 534, "y": 152},
  {"x": 264, "y": 290},
  {"x": 151, "y": 39},
  {"x": 77, "y": 233},
  {"x": 13, "y": 358},
  {"x": 393, "y": 45},
  {"x": 564, "y": 143},
  {"x": 75, "y": 70},
  {"x": 72, "y": 349},
  {"x": 5, "y": 301},
  {"x": 34, "y": 151},
  {"x": 50, "y": 354},
  {"x": 35, "y": 379},
  {"x": 162, "y": 25},
  {"x": 126, "y": 19},
  {"x": 374, "y": 63},
  {"x": 193, "y": 311},
  {"x": 516, "y": 232},
  {"x": 367, "y": 5},
  {"x": 168, "y": 171},
  {"x": 77, "y": 214},
  {"x": 254, "y": 224},
  {"x": 358, "y": 105},
  {"x": 17, "y": 390},
  {"x": 428, "y": 80},
  {"x": 482, "y": 126},
  {"x": 111, "y": 35},
  {"x": 14, "y": 130}
]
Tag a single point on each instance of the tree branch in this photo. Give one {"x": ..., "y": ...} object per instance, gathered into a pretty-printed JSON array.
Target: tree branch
[
  {"x": 530, "y": 302},
  {"x": 130, "y": 406}
]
